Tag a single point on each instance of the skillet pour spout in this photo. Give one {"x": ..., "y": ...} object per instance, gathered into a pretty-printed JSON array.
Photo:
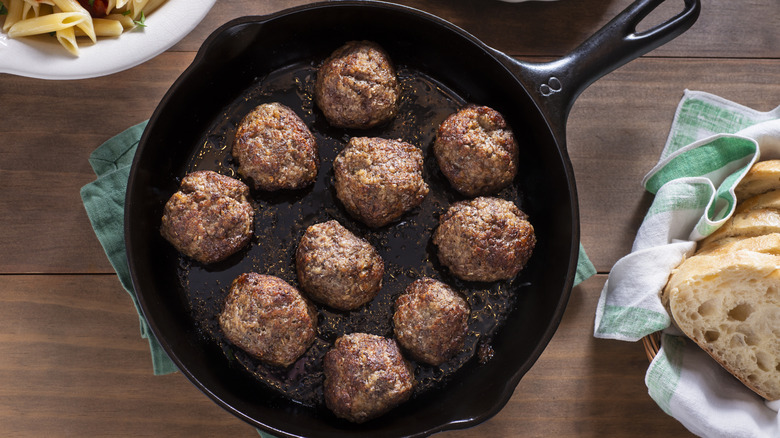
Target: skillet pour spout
[{"x": 252, "y": 60}]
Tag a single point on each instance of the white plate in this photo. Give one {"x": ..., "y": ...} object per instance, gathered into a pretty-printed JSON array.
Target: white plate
[{"x": 43, "y": 57}]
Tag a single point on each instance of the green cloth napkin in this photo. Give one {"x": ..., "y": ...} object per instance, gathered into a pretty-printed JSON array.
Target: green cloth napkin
[
  {"x": 585, "y": 268},
  {"x": 104, "y": 200}
]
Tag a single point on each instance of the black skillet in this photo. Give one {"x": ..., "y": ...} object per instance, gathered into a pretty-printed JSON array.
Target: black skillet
[{"x": 252, "y": 60}]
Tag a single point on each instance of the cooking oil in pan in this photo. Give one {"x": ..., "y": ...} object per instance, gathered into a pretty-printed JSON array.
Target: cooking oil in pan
[{"x": 282, "y": 218}]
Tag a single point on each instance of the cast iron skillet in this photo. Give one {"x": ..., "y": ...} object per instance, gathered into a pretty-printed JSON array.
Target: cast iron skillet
[{"x": 251, "y": 60}]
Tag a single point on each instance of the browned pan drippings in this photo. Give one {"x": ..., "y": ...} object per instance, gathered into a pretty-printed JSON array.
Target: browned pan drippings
[{"x": 282, "y": 218}]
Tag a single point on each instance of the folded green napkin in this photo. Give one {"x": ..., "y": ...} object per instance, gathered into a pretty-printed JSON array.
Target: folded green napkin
[
  {"x": 104, "y": 200},
  {"x": 585, "y": 268}
]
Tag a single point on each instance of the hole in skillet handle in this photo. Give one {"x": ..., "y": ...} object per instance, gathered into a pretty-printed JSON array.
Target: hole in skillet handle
[
  {"x": 556, "y": 85},
  {"x": 658, "y": 16}
]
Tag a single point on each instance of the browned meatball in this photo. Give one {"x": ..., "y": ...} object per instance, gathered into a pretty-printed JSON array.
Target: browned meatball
[
  {"x": 430, "y": 321},
  {"x": 268, "y": 318},
  {"x": 356, "y": 86},
  {"x": 337, "y": 268},
  {"x": 484, "y": 239},
  {"x": 378, "y": 180},
  {"x": 275, "y": 149},
  {"x": 209, "y": 218},
  {"x": 476, "y": 151},
  {"x": 365, "y": 376}
]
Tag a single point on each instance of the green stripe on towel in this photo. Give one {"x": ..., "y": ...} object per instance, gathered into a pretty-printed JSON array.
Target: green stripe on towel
[
  {"x": 629, "y": 321},
  {"x": 664, "y": 372}
]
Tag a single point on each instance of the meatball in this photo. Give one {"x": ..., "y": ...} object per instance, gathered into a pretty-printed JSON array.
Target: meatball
[
  {"x": 269, "y": 319},
  {"x": 476, "y": 151},
  {"x": 356, "y": 86},
  {"x": 378, "y": 180},
  {"x": 275, "y": 149},
  {"x": 337, "y": 268},
  {"x": 365, "y": 376},
  {"x": 430, "y": 321},
  {"x": 209, "y": 218},
  {"x": 484, "y": 239}
]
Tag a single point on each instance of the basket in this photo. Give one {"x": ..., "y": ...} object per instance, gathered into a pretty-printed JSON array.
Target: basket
[{"x": 652, "y": 344}]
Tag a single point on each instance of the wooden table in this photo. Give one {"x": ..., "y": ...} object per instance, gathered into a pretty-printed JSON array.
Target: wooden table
[{"x": 72, "y": 362}]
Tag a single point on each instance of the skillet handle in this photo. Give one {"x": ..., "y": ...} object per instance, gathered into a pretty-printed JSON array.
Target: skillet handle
[{"x": 555, "y": 85}]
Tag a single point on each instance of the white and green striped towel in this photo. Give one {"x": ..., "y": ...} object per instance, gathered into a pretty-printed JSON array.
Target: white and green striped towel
[{"x": 712, "y": 144}]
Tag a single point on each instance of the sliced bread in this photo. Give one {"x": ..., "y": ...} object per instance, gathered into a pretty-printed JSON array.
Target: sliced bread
[
  {"x": 749, "y": 223},
  {"x": 761, "y": 178},
  {"x": 770, "y": 199},
  {"x": 728, "y": 302}
]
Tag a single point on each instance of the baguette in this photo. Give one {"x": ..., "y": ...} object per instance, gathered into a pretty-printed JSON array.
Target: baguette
[
  {"x": 728, "y": 302},
  {"x": 726, "y": 297},
  {"x": 754, "y": 216}
]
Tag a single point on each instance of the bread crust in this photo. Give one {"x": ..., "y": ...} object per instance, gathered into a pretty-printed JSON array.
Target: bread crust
[{"x": 761, "y": 178}]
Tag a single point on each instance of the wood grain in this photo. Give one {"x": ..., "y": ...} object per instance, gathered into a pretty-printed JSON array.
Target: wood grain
[
  {"x": 554, "y": 28},
  {"x": 72, "y": 362}
]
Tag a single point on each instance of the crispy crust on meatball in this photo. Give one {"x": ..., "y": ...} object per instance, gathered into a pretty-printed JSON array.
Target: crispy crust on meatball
[
  {"x": 430, "y": 321},
  {"x": 356, "y": 86},
  {"x": 484, "y": 239},
  {"x": 378, "y": 180},
  {"x": 476, "y": 151},
  {"x": 275, "y": 149},
  {"x": 365, "y": 376},
  {"x": 268, "y": 318},
  {"x": 209, "y": 218},
  {"x": 337, "y": 268}
]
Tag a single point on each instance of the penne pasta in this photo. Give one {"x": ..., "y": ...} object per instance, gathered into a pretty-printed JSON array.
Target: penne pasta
[
  {"x": 137, "y": 7},
  {"x": 30, "y": 10},
  {"x": 105, "y": 27},
  {"x": 35, "y": 8},
  {"x": 67, "y": 38},
  {"x": 15, "y": 11},
  {"x": 46, "y": 24},
  {"x": 74, "y": 6},
  {"x": 115, "y": 5},
  {"x": 69, "y": 21},
  {"x": 124, "y": 20}
]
